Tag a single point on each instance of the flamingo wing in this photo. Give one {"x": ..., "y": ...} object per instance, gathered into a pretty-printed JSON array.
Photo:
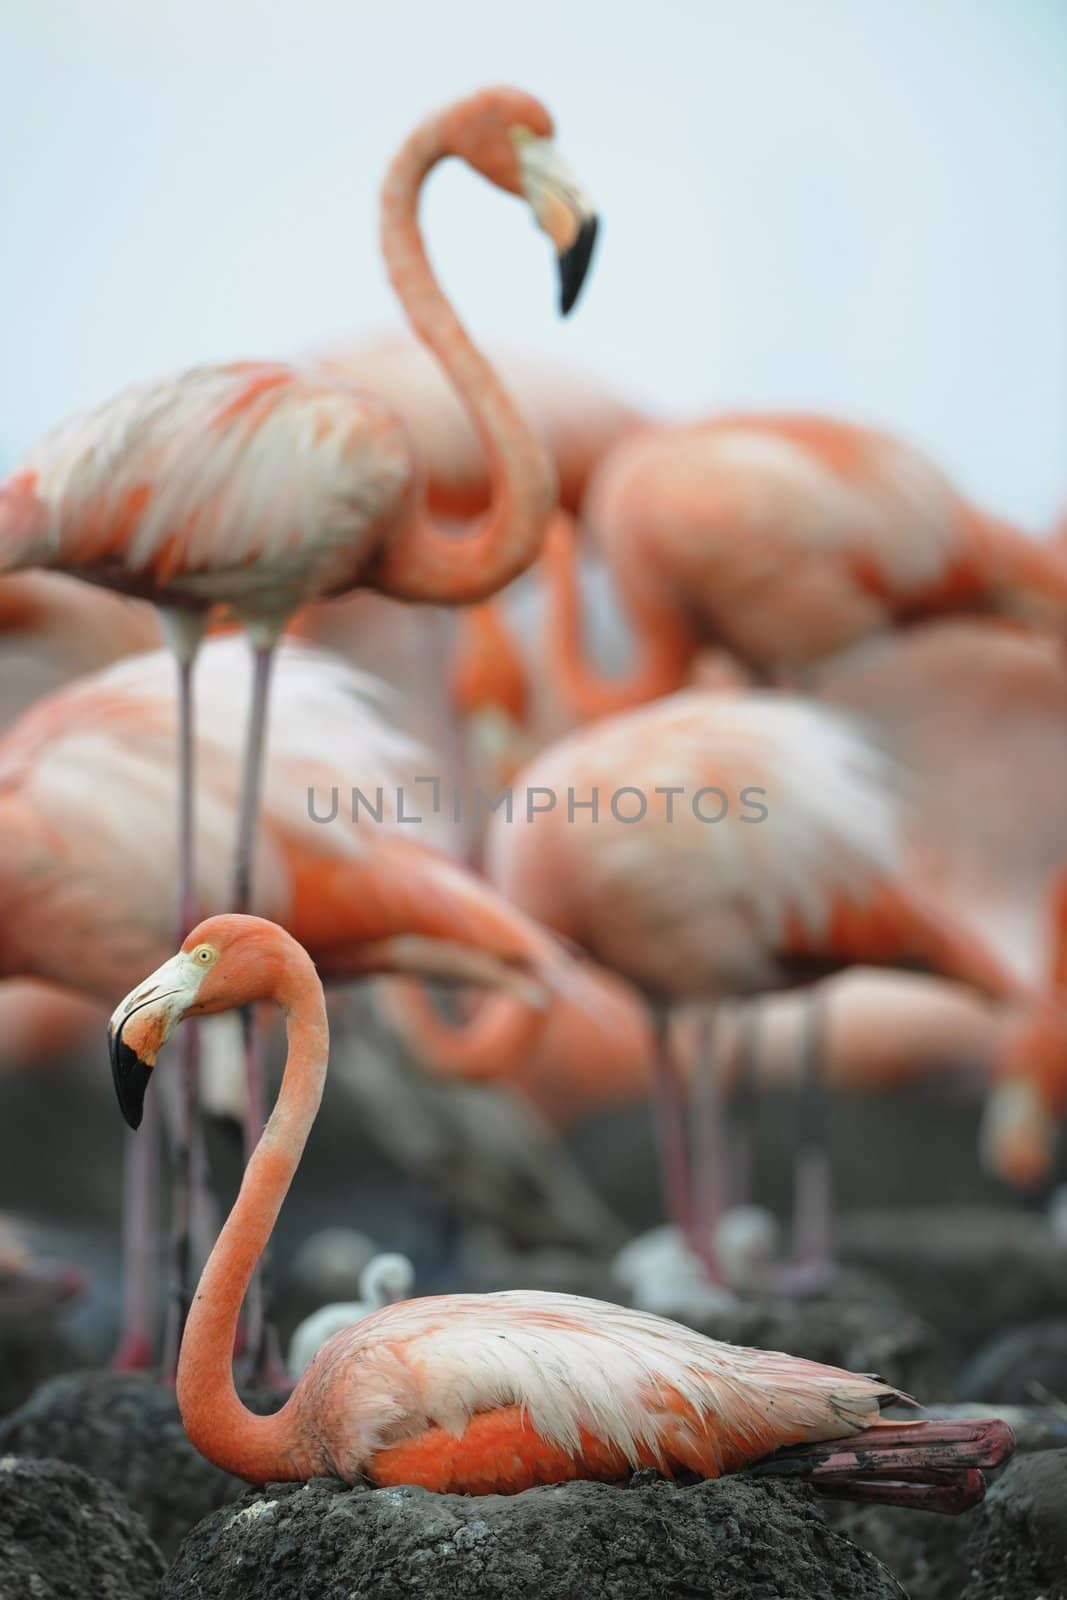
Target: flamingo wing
[{"x": 482, "y": 1392}]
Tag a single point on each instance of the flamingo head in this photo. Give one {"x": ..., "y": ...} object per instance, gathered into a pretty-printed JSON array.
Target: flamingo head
[
  {"x": 506, "y": 135},
  {"x": 227, "y": 961}
]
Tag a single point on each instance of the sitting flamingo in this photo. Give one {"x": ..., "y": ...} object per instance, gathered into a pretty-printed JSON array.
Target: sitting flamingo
[{"x": 493, "y": 1393}]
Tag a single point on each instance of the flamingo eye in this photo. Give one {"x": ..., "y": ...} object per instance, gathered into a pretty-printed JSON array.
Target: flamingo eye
[{"x": 204, "y": 955}]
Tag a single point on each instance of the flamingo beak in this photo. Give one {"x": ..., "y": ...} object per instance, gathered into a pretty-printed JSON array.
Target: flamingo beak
[
  {"x": 561, "y": 209},
  {"x": 140, "y": 1026}
]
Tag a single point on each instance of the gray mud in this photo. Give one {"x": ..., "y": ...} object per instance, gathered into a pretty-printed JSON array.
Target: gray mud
[{"x": 731, "y": 1540}]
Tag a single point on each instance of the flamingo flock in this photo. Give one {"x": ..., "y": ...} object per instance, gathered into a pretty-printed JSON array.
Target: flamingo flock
[{"x": 716, "y": 700}]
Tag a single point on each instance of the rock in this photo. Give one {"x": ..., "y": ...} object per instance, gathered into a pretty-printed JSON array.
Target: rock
[
  {"x": 1025, "y": 1366},
  {"x": 925, "y": 1552},
  {"x": 67, "y": 1536},
  {"x": 734, "y": 1539},
  {"x": 126, "y": 1430},
  {"x": 969, "y": 1271},
  {"x": 1017, "y": 1548}
]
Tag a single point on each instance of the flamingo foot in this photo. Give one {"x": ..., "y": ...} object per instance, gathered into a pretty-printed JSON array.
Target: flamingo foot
[{"x": 927, "y": 1466}]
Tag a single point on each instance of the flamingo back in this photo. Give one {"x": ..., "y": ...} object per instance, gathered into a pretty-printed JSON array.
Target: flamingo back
[
  {"x": 256, "y": 484},
  {"x": 783, "y": 538}
]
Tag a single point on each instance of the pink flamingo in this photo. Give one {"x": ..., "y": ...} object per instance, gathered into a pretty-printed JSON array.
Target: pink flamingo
[
  {"x": 86, "y": 855},
  {"x": 782, "y": 539},
  {"x": 716, "y": 845},
  {"x": 987, "y": 812},
  {"x": 483, "y": 1394}
]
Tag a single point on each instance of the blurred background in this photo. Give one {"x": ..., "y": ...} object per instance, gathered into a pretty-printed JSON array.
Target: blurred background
[{"x": 854, "y": 208}]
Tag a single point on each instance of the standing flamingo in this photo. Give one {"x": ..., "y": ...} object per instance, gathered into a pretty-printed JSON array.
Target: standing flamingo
[
  {"x": 782, "y": 539},
  {"x": 716, "y": 845},
  {"x": 86, "y": 856},
  {"x": 484, "y": 1394},
  {"x": 261, "y": 486},
  {"x": 988, "y": 822}
]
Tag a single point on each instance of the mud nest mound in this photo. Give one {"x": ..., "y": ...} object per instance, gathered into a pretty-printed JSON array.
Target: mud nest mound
[
  {"x": 125, "y": 1429},
  {"x": 734, "y": 1539},
  {"x": 66, "y": 1536},
  {"x": 1017, "y": 1548}
]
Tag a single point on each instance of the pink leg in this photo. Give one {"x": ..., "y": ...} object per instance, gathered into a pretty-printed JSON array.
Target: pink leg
[
  {"x": 812, "y": 1265},
  {"x": 931, "y": 1466},
  {"x": 140, "y": 1217},
  {"x": 187, "y": 1133},
  {"x": 257, "y": 1338},
  {"x": 673, "y": 1136},
  {"x": 712, "y": 1155},
  {"x": 140, "y": 1233},
  {"x": 742, "y": 1091}
]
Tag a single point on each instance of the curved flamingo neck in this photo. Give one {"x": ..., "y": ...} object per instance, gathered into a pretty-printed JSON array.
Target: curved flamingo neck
[
  {"x": 216, "y": 1421},
  {"x": 421, "y": 562},
  {"x": 494, "y": 1043},
  {"x": 665, "y": 651}
]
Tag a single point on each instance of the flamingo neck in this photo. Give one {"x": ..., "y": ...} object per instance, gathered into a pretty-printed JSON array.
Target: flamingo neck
[
  {"x": 421, "y": 562},
  {"x": 495, "y": 1042},
  {"x": 665, "y": 651},
  {"x": 217, "y": 1423}
]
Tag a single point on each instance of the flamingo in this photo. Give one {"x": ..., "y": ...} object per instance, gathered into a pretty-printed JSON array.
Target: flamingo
[
  {"x": 86, "y": 856},
  {"x": 783, "y": 539},
  {"x": 385, "y": 1279},
  {"x": 987, "y": 813},
  {"x": 715, "y": 845},
  {"x": 493, "y": 1393},
  {"x": 261, "y": 485}
]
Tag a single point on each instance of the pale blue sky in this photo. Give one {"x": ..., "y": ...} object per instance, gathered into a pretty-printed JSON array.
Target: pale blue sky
[{"x": 854, "y": 205}]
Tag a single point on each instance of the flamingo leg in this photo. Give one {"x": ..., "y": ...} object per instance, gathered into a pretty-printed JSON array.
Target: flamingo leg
[
  {"x": 671, "y": 1124},
  {"x": 711, "y": 1174},
  {"x": 183, "y": 631},
  {"x": 743, "y": 1084},
  {"x": 256, "y": 1334},
  {"x": 140, "y": 1226},
  {"x": 812, "y": 1263}
]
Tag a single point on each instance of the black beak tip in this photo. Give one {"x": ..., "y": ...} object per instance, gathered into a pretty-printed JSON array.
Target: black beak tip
[
  {"x": 574, "y": 265},
  {"x": 130, "y": 1075}
]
